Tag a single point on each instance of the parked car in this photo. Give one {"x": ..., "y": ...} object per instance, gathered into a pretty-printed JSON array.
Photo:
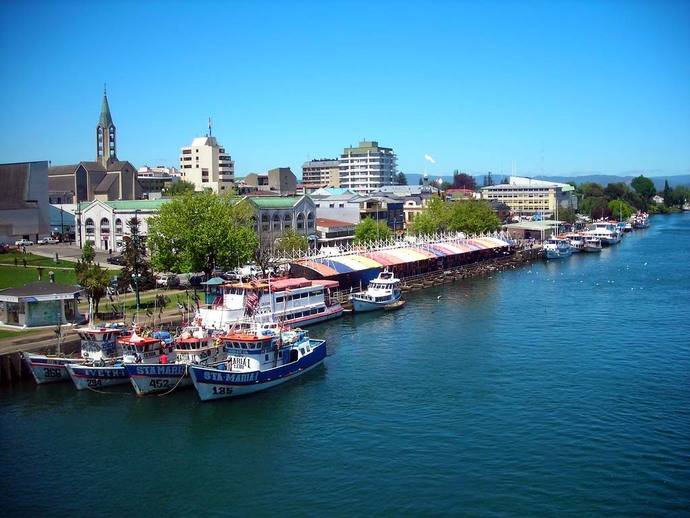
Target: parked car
[
  {"x": 4, "y": 248},
  {"x": 48, "y": 241},
  {"x": 23, "y": 242},
  {"x": 116, "y": 259},
  {"x": 167, "y": 280}
]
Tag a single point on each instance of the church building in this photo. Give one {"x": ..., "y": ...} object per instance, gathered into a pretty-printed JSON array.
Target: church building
[{"x": 105, "y": 179}]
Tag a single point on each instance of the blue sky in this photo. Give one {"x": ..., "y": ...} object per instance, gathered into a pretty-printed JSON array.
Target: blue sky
[{"x": 559, "y": 87}]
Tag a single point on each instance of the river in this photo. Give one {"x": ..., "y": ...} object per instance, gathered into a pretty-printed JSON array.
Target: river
[{"x": 560, "y": 387}]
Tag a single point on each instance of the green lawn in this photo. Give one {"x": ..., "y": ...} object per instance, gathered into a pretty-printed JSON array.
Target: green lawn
[
  {"x": 13, "y": 277},
  {"x": 32, "y": 259},
  {"x": 11, "y": 334}
]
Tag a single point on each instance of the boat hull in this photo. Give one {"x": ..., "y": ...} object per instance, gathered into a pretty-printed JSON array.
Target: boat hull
[
  {"x": 361, "y": 306},
  {"x": 556, "y": 254},
  {"x": 49, "y": 369},
  {"x": 90, "y": 377},
  {"x": 592, "y": 249},
  {"x": 212, "y": 383},
  {"x": 151, "y": 378}
]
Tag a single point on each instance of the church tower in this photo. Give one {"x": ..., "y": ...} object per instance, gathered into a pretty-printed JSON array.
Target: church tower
[{"x": 105, "y": 135}]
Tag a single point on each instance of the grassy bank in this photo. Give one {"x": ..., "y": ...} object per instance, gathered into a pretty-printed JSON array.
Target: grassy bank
[
  {"x": 33, "y": 260},
  {"x": 15, "y": 276}
]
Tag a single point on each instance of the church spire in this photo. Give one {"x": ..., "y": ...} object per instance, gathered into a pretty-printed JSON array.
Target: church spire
[
  {"x": 106, "y": 119},
  {"x": 105, "y": 134}
]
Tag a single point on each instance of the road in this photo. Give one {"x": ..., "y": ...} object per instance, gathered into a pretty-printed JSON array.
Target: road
[{"x": 70, "y": 253}]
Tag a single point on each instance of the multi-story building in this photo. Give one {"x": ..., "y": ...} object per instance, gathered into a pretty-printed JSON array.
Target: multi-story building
[
  {"x": 324, "y": 172},
  {"x": 367, "y": 168},
  {"x": 107, "y": 178},
  {"x": 154, "y": 179},
  {"x": 346, "y": 205},
  {"x": 527, "y": 197},
  {"x": 280, "y": 180},
  {"x": 275, "y": 214},
  {"x": 206, "y": 164},
  {"x": 24, "y": 207},
  {"x": 105, "y": 222}
]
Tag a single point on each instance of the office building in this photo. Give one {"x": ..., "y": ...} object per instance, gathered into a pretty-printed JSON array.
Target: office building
[
  {"x": 206, "y": 164},
  {"x": 324, "y": 172},
  {"x": 367, "y": 167}
]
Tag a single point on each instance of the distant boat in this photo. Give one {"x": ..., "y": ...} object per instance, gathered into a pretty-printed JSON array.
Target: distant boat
[
  {"x": 592, "y": 244},
  {"x": 381, "y": 292},
  {"x": 606, "y": 231},
  {"x": 577, "y": 242}
]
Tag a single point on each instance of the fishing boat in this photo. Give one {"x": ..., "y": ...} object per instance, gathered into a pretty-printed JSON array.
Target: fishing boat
[
  {"x": 606, "y": 231},
  {"x": 296, "y": 301},
  {"x": 97, "y": 344},
  {"x": 384, "y": 290},
  {"x": 577, "y": 242},
  {"x": 257, "y": 359},
  {"x": 592, "y": 244},
  {"x": 194, "y": 346},
  {"x": 155, "y": 349},
  {"x": 557, "y": 248}
]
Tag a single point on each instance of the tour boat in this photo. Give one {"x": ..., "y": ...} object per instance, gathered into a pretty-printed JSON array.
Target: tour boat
[
  {"x": 195, "y": 345},
  {"x": 156, "y": 349},
  {"x": 606, "y": 231},
  {"x": 577, "y": 242},
  {"x": 557, "y": 248},
  {"x": 640, "y": 220},
  {"x": 592, "y": 244},
  {"x": 97, "y": 344},
  {"x": 297, "y": 301},
  {"x": 257, "y": 359},
  {"x": 382, "y": 291}
]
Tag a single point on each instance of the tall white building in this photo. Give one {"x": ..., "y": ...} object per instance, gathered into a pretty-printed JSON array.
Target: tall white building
[
  {"x": 367, "y": 167},
  {"x": 206, "y": 164}
]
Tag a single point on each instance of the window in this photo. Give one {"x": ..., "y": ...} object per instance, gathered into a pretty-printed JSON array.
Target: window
[
  {"x": 89, "y": 226},
  {"x": 300, "y": 221},
  {"x": 118, "y": 226}
]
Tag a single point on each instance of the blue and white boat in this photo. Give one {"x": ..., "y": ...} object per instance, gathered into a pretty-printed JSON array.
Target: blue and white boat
[
  {"x": 135, "y": 350},
  {"x": 557, "y": 248},
  {"x": 195, "y": 345},
  {"x": 381, "y": 292},
  {"x": 257, "y": 359},
  {"x": 97, "y": 344}
]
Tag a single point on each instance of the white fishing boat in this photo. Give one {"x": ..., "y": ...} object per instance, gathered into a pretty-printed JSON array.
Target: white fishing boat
[
  {"x": 257, "y": 359},
  {"x": 381, "y": 292},
  {"x": 606, "y": 231},
  {"x": 592, "y": 244},
  {"x": 296, "y": 301},
  {"x": 194, "y": 346},
  {"x": 156, "y": 349},
  {"x": 577, "y": 242},
  {"x": 97, "y": 344},
  {"x": 557, "y": 248}
]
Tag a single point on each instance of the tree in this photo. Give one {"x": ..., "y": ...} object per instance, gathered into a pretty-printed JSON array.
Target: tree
[
  {"x": 179, "y": 187},
  {"x": 291, "y": 242},
  {"x": 644, "y": 187},
  {"x": 200, "y": 232},
  {"x": 463, "y": 181},
  {"x": 616, "y": 190},
  {"x": 91, "y": 277},
  {"x": 470, "y": 216},
  {"x": 620, "y": 210},
  {"x": 668, "y": 195},
  {"x": 566, "y": 214},
  {"x": 401, "y": 178},
  {"x": 136, "y": 271},
  {"x": 369, "y": 230}
]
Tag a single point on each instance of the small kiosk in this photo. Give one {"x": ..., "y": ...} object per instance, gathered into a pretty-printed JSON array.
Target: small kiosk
[{"x": 40, "y": 304}]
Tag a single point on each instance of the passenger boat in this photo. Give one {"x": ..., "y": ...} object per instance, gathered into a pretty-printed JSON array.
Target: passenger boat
[
  {"x": 592, "y": 244},
  {"x": 557, "y": 248},
  {"x": 606, "y": 231},
  {"x": 194, "y": 346},
  {"x": 297, "y": 301},
  {"x": 381, "y": 292},
  {"x": 257, "y": 359},
  {"x": 640, "y": 220},
  {"x": 577, "y": 242},
  {"x": 97, "y": 344},
  {"x": 156, "y": 349}
]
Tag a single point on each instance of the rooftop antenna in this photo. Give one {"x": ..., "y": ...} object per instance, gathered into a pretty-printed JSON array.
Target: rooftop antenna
[{"x": 209, "y": 127}]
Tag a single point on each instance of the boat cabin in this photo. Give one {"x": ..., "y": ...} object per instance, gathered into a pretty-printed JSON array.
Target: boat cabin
[
  {"x": 137, "y": 349},
  {"x": 99, "y": 343}
]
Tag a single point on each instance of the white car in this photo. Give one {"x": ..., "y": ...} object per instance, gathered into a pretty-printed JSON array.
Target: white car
[
  {"x": 23, "y": 242},
  {"x": 48, "y": 241}
]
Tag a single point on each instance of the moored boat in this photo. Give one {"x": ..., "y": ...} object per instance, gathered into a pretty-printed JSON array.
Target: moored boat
[
  {"x": 577, "y": 242},
  {"x": 592, "y": 244},
  {"x": 257, "y": 359},
  {"x": 557, "y": 248},
  {"x": 136, "y": 349},
  {"x": 97, "y": 344},
  {"x": 606, "y": 231},
  {"x": 381, "y": 292},
  {"x": 196, "y": 346}
]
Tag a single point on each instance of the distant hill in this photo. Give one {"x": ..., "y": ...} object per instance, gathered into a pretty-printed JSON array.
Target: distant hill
[{"x": 602, "y": 179}]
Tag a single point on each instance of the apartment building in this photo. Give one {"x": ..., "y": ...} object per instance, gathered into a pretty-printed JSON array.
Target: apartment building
[
  {"x": 206, "y": 164},
  {"x": 367, "y": 167},
  {"x": 324, "y": 172}
]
